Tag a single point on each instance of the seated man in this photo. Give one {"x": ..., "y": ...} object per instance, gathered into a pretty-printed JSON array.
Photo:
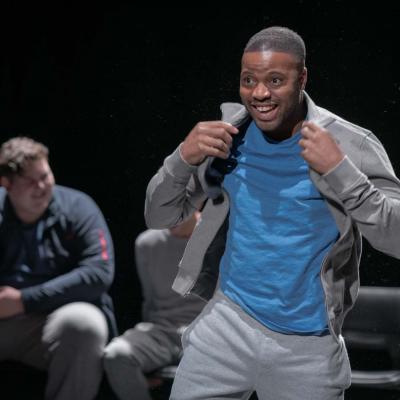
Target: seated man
[
  {"x": 155, "y": 342},
  {"x": 56, "y": 265}
]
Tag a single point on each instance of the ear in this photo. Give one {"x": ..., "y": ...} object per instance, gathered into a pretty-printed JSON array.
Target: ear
[
  {"x": 303, "y": 78},
  {"x": 5, "y": 182}
]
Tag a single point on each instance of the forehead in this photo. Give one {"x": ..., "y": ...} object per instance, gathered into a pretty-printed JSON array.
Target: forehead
[
  {"x": 33, "y": 168},
  {"x": 265, "y": 61}
]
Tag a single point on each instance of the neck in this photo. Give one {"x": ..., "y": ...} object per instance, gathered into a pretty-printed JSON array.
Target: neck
[{"x": 27, "y": 218}]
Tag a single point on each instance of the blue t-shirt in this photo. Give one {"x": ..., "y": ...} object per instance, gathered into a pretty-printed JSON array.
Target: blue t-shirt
[{"x": 280, "y": 230}]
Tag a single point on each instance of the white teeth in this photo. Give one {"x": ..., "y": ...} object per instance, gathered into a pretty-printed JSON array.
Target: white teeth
[{"x": 264, "y": 108}]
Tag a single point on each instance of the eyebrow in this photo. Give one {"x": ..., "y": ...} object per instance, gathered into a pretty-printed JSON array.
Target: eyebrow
[
  {"x": 45, "y": 174},
  {"x": 272, "y": 72}
]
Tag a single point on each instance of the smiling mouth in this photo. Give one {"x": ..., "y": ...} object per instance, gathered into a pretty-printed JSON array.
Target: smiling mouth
[
  {"x": 264, "y": 108},
  {"x": 265, "y": 112},
  {"x": 40, "y": 196}
]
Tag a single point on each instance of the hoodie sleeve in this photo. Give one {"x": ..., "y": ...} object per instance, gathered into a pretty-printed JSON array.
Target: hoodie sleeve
[
  {"x": 94, "y": 270},
  {"x": 173, "y": 194},
  {"x": 176, "y": 191},
  {"x": 371, "y": 195}
]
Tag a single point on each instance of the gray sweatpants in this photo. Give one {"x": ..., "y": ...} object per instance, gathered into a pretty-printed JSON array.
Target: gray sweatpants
[
  {"x": 228, "y": 354},
  {"x": 68, "y": 343},
  {"x": 139, "y": 350}
]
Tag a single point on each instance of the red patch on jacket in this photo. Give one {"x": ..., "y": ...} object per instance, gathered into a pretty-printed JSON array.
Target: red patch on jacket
[{"x": 103, "y": 244}]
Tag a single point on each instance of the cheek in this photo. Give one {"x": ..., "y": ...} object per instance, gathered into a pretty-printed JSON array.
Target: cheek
[
  {"x": 17, "y": 193},
  {"x": 244, "y": 93},
  {"x": 24, "y": 200},
  {"x": 50, "y": 183},
  {"x": 291, "y": 97}
]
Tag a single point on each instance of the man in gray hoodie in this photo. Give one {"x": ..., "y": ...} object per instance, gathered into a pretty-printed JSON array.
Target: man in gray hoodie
[{"x": 289, "y": 189}]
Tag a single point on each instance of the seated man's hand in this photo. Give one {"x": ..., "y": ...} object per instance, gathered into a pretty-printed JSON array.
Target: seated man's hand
[{"x": 10, "y": 302}]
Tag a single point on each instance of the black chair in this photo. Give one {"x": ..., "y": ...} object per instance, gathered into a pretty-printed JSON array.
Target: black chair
[
  {"x": 160, "y": 382},
  {"x": 372, "y": 333}
]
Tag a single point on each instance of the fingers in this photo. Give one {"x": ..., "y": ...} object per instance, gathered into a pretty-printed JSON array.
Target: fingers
[
  {"x": 225, "y": 125},
  {"x": 211, "y": 138},
  {"x": 320, "y": 149},
  {"x": 213, "y": 135},
  {"x": 311, "y": 136},
  {"x": 313, "y": 133},
  {"x": 213, "y": 151},
  {"x": 218, "y": 129},
  {"x": 218, "y": 143},
  {"x": 310, "y": 130},
  {"x": 310, "y": 125}
]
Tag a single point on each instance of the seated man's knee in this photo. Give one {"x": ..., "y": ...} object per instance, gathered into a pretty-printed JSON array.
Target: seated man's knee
[
  {"x": 118, "y": 355},
  {"x": 79, "y": 324}
]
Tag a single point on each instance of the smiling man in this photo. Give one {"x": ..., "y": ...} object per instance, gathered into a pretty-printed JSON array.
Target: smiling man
[
  {"x": 56, "y": 265},
  {"x": 289, "y": 189}
]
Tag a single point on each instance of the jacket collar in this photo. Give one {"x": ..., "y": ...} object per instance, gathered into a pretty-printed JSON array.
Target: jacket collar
[{"x": 211, "y": 172}]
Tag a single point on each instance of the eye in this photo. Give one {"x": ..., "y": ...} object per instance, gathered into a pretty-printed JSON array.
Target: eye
[
  {"x": 248, "y": 80},
  {"x": 29, "y": 182},
  {"x": 276, "y": 81}
]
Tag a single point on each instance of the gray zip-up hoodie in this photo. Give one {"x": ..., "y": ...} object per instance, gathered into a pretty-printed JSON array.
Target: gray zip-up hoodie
[{"x": 362, "y": 192}]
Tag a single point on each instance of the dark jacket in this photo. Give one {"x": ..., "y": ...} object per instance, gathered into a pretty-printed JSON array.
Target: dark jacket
[{"x": 66, "y": 256}]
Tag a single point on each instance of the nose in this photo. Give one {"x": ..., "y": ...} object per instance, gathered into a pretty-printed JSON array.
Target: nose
[
  {"x": 41, "y": 184},
  {"x": 261, "y": 92}
]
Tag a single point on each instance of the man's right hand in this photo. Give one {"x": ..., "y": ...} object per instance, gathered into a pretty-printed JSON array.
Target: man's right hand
[
  {"x": 212, "y": 138},
  {"x": 10, "y": 302}
]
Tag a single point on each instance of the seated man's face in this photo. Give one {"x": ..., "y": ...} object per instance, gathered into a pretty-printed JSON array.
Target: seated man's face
[{"x": 30, "y": 191}]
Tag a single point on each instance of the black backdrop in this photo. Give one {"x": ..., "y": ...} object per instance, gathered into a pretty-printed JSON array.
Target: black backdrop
[{"x": 113, "y": 88}]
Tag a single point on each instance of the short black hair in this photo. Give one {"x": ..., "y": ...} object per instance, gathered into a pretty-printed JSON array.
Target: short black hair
[{"x": 278, "y": 38}]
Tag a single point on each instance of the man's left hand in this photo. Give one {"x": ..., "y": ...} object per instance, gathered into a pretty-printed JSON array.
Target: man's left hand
[{"x": 320, "y": 150}]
